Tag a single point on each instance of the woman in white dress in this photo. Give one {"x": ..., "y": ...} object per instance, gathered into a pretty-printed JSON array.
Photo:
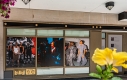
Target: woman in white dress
[
  {"x": 81, "y": 53},
  {"x": 16, "y": 53}
]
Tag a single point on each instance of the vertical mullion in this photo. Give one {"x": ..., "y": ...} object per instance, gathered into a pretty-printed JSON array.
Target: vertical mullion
[
  {"x": 63, "y": 52},
  {"x": 4, "y": 47},
  {"x": 36, "y": 52}
]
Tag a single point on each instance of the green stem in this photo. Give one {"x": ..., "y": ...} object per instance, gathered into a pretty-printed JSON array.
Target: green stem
[
  {"x": 106, "y": 73},
  {"x": 104, "y": 79}
]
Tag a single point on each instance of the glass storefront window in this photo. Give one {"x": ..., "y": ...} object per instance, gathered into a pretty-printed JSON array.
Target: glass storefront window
[
  {"x": 76, "y": 70},
  {"x": 49, "y": 71},
  {"x": 103, "y": 35},
  {"x": 25, "y": 50},
  {"x": 103, "y": 43},
  {"x": 49, "y": 32},
  {"x": 76, "y": 33},
  {"x": 49, "y": 50},
  {"x": 21, "y": 32}
]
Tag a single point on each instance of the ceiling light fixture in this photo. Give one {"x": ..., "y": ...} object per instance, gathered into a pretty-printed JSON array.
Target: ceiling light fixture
[
  {"x": 109, "y": 5},
  {"x": 26, "y": 1}
]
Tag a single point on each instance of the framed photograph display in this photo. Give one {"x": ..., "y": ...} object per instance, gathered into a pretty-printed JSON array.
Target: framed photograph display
[
  {"x": 77, "y": 51},
  {"x": 50, "y": 52},
  {"x": 20, "y": 52}
]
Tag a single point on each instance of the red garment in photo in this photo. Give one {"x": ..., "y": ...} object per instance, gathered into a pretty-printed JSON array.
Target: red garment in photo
[
  {"x": 53, "y": 49},
  {"x": 34, "y": 48}
]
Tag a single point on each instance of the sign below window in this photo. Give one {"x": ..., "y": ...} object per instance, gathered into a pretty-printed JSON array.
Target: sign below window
[
  {"x": 19, "y": 72},
  {"x": 30, "y": 71},
  {"x": 24, "y": 72}
]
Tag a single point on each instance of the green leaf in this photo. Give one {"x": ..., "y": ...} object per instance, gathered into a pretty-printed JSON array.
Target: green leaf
[
  {"x": 109, "y": 75},
  {"x": 116, "y": 78},
  {"x": 105, "y": 72},
  {"x": 108, "y": 70},
  {"x": 105, "y": 79},
  {"x": 99, "y": 69},
  {"x": 103, "y": 76},
  {"x": 95, "y": 75},
  {"x": 111, "y": 66}
]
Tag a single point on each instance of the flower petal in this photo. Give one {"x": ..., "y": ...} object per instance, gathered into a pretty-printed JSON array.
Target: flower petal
[
  {"x": 104, "y": 56},
  {"x": 115, "y": 69},
  {"x": 119, "y": 58},
  {"x": 109, "y": 55},
  {"x": 99, "y": 60},
  {"x": 118, "y": 62},
  {"x": 124, "y": 65},
  {"x": 120, "y": 55}
]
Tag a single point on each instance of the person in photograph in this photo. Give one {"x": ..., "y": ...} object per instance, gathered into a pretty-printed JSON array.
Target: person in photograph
[
  {"x": 24, "y": 39},
  {"x": 21, "y": 48},
  {"x": 87, "y": 54},
  {"x": 22, "y": 52},
  {"x": 28, "y": 51},
  {"x": 16, "y": 53},
  {"x": 25, "y": 49},
  {"x": 56, "y": 44},
  {"x": 10, "y": 51},
  {"x": 16, "y": 40},
  {"x": 53, "y": 48},
  {"x": 49, "y": 52},
  {"x": 86, "y": 47},
  {"x": 66, "y": 53},
  {"x": 53, "y": 53},
  {"x": 71, "y": 54},
  {"x": 66, "y": 46},
  {"x": 22, "y": 44},
  {"x": 81, "y": 59}
]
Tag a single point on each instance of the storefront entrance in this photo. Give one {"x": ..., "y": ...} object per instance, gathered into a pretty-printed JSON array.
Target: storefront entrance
[{"x": 51, "y": 50}]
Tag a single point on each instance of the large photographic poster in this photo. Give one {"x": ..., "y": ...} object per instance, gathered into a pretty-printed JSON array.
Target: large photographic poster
[
  {"x": 115, "y": 41},
  {"x": 77, "y": 51},
  {"x": 50, "y": 52},
  {"x": 20, "y": 52}
]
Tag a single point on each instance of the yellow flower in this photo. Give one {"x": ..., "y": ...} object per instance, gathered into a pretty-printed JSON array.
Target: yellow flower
[
  {"x": 119, "y": 59},
  {"x": 108, "y": 56},
  {"x": 103, "y": 56}
]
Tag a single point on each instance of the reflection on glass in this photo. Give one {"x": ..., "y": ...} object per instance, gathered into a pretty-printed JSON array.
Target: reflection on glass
[
  {"x": 77, "y": 33},
  {"x": 49, "y": 71},
  {"x": 76, "y": 70},
  {"x": 103, "y": 35},
  {"x": 20, "y": 32},
  {"x": 20, "y": 51},
  {"x": 50, "y": 32},
  {"x": 77, "y": 51},
  {"x": 103, "y": 43},
  {"x": 50, "y": 52}
]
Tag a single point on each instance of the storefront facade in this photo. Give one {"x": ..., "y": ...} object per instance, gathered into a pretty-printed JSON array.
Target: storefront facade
[{"x": 56, "y": 28}]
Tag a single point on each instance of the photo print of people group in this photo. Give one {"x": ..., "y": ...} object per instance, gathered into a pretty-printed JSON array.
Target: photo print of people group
[
  {"x": 77, "y": 51},
  {"x": 50, "y": 52},
  {"x": 22, "y": 51}
]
